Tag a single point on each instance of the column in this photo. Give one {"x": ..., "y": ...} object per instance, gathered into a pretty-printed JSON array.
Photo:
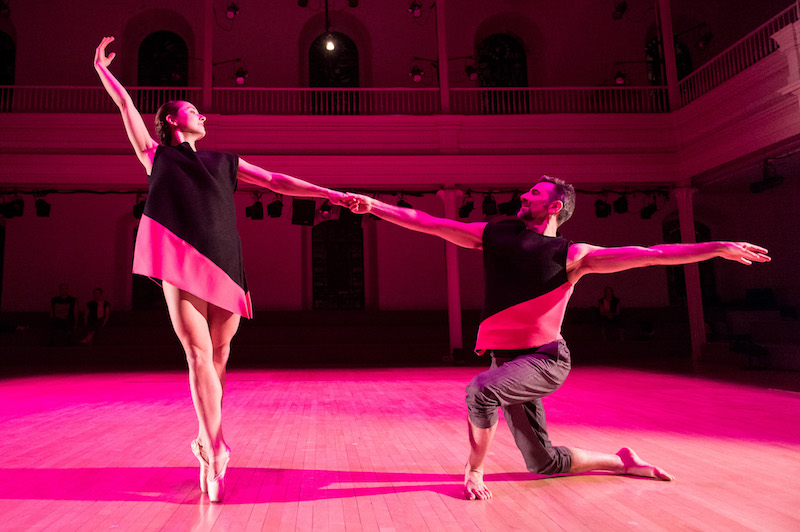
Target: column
[
  {"x": 208, "y": 52},
  {"x": 664, "y": 18},
  {"x": 441, "y": 41},
  {"x": 694, "y": 296},
  {"x": 449, "y": 198}
]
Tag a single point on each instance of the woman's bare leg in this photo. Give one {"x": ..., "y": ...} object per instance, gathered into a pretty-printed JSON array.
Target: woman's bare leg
[
  {"x": 223, "y": 325},
  {"x": 189, "y": 315}
]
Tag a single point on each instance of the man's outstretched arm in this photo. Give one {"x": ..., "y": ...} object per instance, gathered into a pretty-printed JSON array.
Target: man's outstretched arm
[
  {"x": 584, "y": 258},
  {"x": 467, "y": 235}
]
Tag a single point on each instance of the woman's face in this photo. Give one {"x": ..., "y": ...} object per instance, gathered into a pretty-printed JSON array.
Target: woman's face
[{"x": 189, "y": 121}]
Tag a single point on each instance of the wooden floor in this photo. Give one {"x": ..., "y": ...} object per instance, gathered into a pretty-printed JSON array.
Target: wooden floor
[{"x": 382, "y": 449}]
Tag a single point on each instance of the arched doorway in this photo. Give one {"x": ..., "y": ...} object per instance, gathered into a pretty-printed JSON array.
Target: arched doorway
[{"x": 337, "y": 265}]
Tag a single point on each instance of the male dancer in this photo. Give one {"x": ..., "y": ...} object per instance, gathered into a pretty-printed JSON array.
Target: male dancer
[{"x": 530, "y": 274}]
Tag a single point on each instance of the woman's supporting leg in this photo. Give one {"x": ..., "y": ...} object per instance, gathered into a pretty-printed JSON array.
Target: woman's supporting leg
[{"x": 189, "y": 315}]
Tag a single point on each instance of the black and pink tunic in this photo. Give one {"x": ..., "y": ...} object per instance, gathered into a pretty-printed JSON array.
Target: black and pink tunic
[
  {"x": 527, "y": 290},
  {"x": 187, "y": 235}
]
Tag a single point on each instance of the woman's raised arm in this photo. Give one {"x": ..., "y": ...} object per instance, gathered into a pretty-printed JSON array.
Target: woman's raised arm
[{"x": 143, "y": 143}]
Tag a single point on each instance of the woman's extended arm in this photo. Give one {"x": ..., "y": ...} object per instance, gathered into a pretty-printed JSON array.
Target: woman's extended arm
[
  {"x": 288, "y": 185},
  {"x": 143, "y": 144}
]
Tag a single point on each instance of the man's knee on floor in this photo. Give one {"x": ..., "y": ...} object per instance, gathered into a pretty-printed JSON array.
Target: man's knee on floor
[{"x": 559, "y": 461}]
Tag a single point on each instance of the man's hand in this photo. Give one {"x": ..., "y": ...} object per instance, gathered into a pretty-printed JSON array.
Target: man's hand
[
  {"x": 744, "y": 252},
  {"x": 342, "y": 199},
  {"x": 361, "y": 204}
]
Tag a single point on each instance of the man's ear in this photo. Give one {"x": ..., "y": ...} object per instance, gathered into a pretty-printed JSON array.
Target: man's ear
[{"x": 555, "y": 206}]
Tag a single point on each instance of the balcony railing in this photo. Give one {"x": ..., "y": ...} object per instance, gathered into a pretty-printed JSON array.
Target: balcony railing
[
  {"x": 494, "y": 101},
  {"x": 755, "y": 46},
  {"x": 29, "y": 99},
  {"x": 326, "y": 101}
]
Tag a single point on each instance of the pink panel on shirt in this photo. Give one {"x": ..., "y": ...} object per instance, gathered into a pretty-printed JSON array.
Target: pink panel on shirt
[
  {"x": 529, "y": 324},
  {"x": 162, "y": 255}
]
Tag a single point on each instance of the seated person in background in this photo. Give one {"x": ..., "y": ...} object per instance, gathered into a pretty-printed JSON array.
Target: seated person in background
[
  {"x": 609, "y": 314},
  {"x": 63, "y": 316},
  {"x": 96, "y": 317}
]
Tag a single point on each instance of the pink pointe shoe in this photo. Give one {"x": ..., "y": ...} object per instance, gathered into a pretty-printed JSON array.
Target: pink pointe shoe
[
  {"x": 216, "y": 485},
  {"x": 197, "y": 449}
]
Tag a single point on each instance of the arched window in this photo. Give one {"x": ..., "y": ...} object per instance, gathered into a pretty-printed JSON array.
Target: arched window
[
  {"x": 8, "y": 53},
  {"x": 337, "y": 265},
  {"x": 163, "y": 61},
  {"x": 676, "y": 279},
  {"x": 502, "y": 62},
  {"x": 655, "y": 61}
]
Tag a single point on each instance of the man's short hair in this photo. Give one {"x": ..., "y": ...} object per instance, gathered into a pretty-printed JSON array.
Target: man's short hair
[{"x": 563, "y": 192}]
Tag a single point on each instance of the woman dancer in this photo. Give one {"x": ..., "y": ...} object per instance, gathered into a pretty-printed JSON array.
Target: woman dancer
[{"x": 187, "y": 239}]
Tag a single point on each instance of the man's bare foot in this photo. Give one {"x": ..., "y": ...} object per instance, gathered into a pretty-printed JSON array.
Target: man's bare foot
[
  {"x": 474, "y": 488},
  {"x": 633, "y": 465}
]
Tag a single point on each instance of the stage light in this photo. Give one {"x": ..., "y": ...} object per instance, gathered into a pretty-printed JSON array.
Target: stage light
[
  {"x": 325, "y": 210},
  {"x": 241, "y": 76},
  {"x": 415, "y": 8},
  {"x": 353, "y": 3},
  {"x": 471, "y": 72},
  {"x": 619, "y": 9},
  {"x": 275, "y": 208},
  {"x": 620, "y": 78},
  {"x": 602, "y": 209},
  {"x": 621, "y": 204},
  {"x": 403, "y": 203},
  {"x": 512, "y": 206},
  {"x": 649, "y": 210},
  {"x": 302, "y": 3},
  {"x": 255, "y": 211},
  {"x": 489, "y": 205},
  {"x": 231, "y": 11},
  {"x": 13, "y": 208},
  {"x": 42, "y": 208},
  {"x": 466, "y": 206},
  {"x": 416, "y": 74}
]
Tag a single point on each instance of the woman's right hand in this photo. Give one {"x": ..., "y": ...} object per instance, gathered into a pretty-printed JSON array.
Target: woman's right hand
[{"x": 100, "y": 57}]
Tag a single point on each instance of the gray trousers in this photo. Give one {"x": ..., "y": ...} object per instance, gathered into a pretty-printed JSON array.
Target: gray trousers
[{"x": 516, "y": 382}]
